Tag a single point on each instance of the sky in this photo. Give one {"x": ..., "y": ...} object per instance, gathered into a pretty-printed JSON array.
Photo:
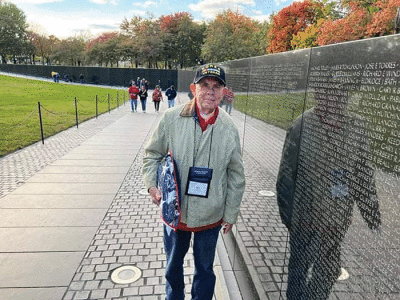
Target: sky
[{"x": 90, "y": 18}]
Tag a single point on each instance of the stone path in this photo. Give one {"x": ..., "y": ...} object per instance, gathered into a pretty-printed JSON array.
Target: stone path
[{"x": 71, "y": 212}]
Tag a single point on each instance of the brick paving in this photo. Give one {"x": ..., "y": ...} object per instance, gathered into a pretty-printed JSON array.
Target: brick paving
[
  {"x": 16, "y": 168},
  {"x": 266, "y": 239},
  {"x": 131, "y": 232}
]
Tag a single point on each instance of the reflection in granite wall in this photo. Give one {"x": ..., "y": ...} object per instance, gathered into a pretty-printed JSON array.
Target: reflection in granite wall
[
  {"x": 338, "y": 186},
  {"x": 349, "y": 153},
  {"x": 272, "y": 87}
]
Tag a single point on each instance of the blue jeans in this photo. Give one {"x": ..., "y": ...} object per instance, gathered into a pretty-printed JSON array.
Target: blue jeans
[
  {"x": 171, "y": 103},
  {"x": 133, "y": 104},
  {"x": 176, "y": 245},
  {"x": 143, "y": 104}
]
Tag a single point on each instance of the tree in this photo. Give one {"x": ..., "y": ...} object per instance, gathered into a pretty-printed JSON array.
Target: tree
[
  {"x": 13, "y": 39},
  {"x": 231, "y": 36},
  {"x": 308, "y": 37},
  {"x": 290, "y": 21},
  {"x": 352, "y": 27},
  {"x": 382, "y": 22},
  {"x": 181, "y": 39},
  {"x": 69, "y": 51},
  {"x": 105, "y": 49},
  {"x": 363, "y": 19},
  {"x": 146, "y": 34},
  {"x": 43, "y": 45}
]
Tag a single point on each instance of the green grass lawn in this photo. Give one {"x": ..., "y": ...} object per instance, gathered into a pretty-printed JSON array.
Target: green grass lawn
[
  {"x": 19, "y": 116},
  {"x": 276, "y": 109}
]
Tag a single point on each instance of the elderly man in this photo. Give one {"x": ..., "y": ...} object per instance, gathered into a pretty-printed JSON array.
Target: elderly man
[{"x": 200, "y": 137}]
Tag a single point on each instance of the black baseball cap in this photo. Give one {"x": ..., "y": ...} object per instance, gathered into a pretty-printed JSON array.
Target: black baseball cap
[{"x": 210, "y": 70}]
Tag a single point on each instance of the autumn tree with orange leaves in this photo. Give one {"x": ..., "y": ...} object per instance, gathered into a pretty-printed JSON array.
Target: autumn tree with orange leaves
[
  {"x": 291, "y": 20},
  {"x": 363, "y": 19}
]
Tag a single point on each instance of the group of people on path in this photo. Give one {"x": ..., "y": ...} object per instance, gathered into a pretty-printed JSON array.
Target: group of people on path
[
  {"x": 56, "y": 77},
  {"x": 139, "y": 89}
]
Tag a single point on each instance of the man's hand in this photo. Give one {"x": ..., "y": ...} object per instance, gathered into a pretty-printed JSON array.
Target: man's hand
[
  {"x": 155, "y": 195},
  {"x": 226, "y": 226}
]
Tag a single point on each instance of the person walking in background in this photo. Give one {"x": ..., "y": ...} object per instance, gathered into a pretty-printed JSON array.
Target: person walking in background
[
  {"x": 81, "y": 78},
  {"x": 143, "y": 98},
  {"x": 157, "y": 97},
  {"x": 138, "y": 82},
  {"x": 142, "y": 83},
  {"x": 56, "y": 76},
  {"x": 133, "y": 94},
  {"x": 205, "y": 145},
  {"x": 171, "y": 95},
  {"x": 227, "y": 102}
]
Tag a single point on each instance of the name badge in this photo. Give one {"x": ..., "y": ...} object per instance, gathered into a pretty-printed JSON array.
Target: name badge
[{"x": 199, "y": 181}]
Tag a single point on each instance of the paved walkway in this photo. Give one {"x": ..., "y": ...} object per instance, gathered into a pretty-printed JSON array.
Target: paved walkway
[{"x": 71, "y": 211}]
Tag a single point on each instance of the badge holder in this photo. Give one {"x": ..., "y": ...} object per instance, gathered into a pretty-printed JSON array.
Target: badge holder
[
  {"x": 199, "y": 178},
  {"x": 199, "y": 182}
]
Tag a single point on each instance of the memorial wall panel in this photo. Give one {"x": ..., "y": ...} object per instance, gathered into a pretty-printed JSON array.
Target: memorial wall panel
[
  {"x": 274, "y": 85},
  {"x": 340, "y": 165},
  {"x": 346, "y": 197}
]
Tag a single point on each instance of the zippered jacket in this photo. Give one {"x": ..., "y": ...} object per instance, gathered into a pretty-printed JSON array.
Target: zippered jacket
[{"x": 218, "y": 148}]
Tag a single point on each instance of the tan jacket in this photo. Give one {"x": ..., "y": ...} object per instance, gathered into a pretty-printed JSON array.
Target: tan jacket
[{"x": 179, "y": 133}]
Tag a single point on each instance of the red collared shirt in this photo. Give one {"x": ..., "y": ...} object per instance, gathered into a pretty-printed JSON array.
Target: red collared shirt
[{"x": 203, "y": 123}]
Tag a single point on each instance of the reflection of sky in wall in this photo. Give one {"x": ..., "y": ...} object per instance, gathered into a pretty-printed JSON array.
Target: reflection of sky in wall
[{"x": 64, "y": 18}]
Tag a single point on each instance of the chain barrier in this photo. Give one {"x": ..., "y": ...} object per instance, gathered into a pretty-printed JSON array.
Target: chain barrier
[
  {"x": 52, "y": 112},
  {"x": 85, "y": 106},
  {"x": 20, "y": 124}
]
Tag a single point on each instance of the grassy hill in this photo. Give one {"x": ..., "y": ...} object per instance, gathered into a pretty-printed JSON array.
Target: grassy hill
[{"x": 19, "y": 116}]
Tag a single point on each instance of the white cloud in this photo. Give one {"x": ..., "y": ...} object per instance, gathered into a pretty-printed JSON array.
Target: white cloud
[
  {"x": 145, "y": 4},
  {"x": 262, "y": 18},
  {"x": 114, "y": 2},
  {"x": 279, "y": 2},
  {"x": 32, "y": 1},
  {"x": 135, "y": 12},
  {"x": 99, "y": 1},
  {"x": 64, "y": 26},
  {"x": 210, "y": 8}
]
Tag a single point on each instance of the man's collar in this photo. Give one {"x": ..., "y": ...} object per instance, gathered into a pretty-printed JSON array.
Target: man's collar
[{"x": 189, "y": 109}]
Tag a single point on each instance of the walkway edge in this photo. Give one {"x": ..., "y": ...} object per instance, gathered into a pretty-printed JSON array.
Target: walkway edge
[{"x": 249, "y": 283}]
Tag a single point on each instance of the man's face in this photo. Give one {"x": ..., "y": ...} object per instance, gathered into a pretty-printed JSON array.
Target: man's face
[{"x": 209, "y": 93}]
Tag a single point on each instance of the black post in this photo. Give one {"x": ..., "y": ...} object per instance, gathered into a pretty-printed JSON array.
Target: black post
[
  {"x": 96, "y": 108},
  {"x": 41, "y": 123},
  {"x": 108, "y": 96},
  {"x": 76, "y": 113},
  {"x": 117, "y": 99}
]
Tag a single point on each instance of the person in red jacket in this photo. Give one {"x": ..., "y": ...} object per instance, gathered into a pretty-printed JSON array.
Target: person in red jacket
[
  {"x": 157, "y": 97},
  {"x": 133, "y": 94}
]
